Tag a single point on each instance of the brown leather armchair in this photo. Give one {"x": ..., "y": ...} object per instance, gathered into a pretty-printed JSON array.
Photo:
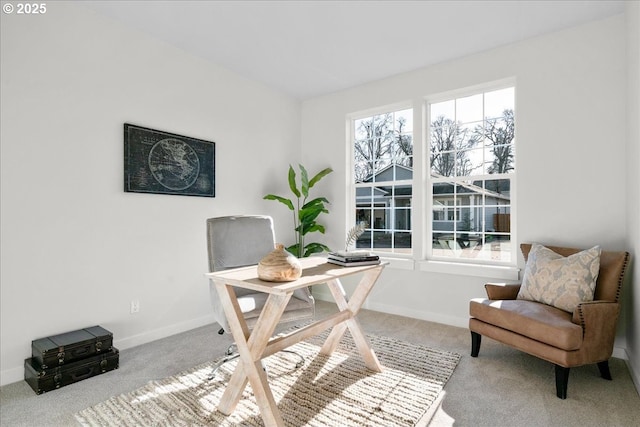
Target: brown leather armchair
[{"x": 565, "y": 339}]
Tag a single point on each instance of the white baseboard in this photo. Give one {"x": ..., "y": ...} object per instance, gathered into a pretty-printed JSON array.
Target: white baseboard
[
  {"x": 419, "y": 314},
  {"x": 460, "y": 322},
  {"x": 403, "y": 311},
  {"x": 160, "y": 333},
  {"x": 11, "y": 375},
  {"x": 16, "y": 374},
  {"x": 620, "y": 353},
  {"x": 634, "y": 370}
]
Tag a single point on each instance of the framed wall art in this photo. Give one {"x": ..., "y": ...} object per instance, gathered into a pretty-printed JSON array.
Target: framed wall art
[{"x": 165, "y": 163}]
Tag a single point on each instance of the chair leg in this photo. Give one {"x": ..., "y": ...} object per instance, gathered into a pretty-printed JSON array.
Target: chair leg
[
  {"x": 222, "y": 361},
  {"x": 232, "y": 349},
  {"x": 604, "y": 370},
  {"x": 231, "y": 354},
  {"x": 476, "y": 340},
  {"x": 562, "y": 381}
]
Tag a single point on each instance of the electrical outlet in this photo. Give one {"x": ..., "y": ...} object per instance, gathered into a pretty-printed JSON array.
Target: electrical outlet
[{"x": 135, "y": 306}]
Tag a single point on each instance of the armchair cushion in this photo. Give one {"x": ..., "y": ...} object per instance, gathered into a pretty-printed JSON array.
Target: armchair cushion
[
  {"x": 533, "y": 320},
  {"x": 558, "y": 281}
]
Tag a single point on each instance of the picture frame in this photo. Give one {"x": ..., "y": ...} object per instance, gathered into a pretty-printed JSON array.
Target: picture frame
[{"x": 160, "y": 162}]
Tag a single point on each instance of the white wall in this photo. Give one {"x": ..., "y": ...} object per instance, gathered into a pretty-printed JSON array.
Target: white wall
[
  {"x": 76, "y": 249},
  {"x": 570, "y": 112},
  {"x": 632, "y": 290}
]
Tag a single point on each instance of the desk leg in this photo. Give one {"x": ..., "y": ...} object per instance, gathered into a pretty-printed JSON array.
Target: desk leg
[
  {"x": 249, "y": 367},
  {"x": 354, "y": 305}
]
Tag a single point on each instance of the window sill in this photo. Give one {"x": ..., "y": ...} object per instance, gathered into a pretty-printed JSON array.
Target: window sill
[
  {"x": 399, "y": 263},
  {"x": 460, "y": 269}
]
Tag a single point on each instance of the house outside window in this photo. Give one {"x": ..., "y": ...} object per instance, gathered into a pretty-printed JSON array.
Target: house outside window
[
  {"x": 383, "y": 180},
  {"x": 466, "y": 174},
  {"x": 471, "y": 148}
]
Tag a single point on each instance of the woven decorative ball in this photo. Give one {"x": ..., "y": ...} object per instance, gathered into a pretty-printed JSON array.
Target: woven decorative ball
[{"x": 279, "y": 266}]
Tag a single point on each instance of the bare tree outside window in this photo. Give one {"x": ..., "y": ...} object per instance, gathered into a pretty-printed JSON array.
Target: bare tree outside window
[
  {"x": 374, "y": 137},
  {"x": 383, "y": 175},
  {"x": 403, "y": 143},
  {"x": 449, "y": 147},
  {"x": 500, "y": 133},
  {"x": 472, "y": 158}
]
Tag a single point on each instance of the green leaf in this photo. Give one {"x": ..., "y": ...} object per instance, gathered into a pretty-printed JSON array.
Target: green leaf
[
  {"x": 319, "y": 201},
  {"x": 292, "y": 182},
  {"x": 309, "y": 214},
  {"x": 293, "y": 250},
  {"x": 304, "y": 179},
  {"x": 310, "y": 227},
  {"x": 319, "y": 176},
  {"x": 314, "y": 248},
  {"x": 316, "y": 227},
  {"x": 287, "y": 202}
]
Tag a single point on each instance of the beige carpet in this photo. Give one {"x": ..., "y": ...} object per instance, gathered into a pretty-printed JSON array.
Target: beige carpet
[{"x": 327, "y": 391}]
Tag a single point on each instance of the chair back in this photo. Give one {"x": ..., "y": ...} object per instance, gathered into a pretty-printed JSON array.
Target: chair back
[
  {"x": 613, "y": 266},
  {"x": 238, "y": 241}
]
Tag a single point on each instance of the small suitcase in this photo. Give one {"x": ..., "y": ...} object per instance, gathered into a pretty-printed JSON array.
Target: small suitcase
[
  {"x": 43, "y": 379},
  {"x": 64, "y": 348}
]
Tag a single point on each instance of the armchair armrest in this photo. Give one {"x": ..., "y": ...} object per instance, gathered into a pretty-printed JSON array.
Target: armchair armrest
[
  {"x": 599, "y": 320},
  {"x": 500, "y": 291}
]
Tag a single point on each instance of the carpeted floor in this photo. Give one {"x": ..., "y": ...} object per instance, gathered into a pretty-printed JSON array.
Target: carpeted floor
[
  {"x": 336, "y": 390},
  {"x": 502, "y": 387}
]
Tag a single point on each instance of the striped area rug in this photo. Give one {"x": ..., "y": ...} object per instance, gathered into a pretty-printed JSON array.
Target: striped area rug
[{"x": 336, "y": 390}]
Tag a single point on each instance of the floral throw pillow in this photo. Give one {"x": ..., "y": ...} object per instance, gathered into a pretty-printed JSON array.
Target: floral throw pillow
[{"x": 562, "y": 282}]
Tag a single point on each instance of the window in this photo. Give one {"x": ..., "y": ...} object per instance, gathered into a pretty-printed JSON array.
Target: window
[
  {"x": 463, "y": 158},
  {"x": 471, "y": 142},
  {"x": 383, "y": 177}
]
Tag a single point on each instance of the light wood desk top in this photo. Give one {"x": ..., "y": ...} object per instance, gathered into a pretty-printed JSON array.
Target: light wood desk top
[{"x": 315, "y": 270}]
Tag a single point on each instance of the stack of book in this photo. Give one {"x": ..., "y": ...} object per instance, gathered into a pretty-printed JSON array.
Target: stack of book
[{"x": 352, "y": 258}]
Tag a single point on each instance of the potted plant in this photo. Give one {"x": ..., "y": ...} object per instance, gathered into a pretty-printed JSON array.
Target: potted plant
[{"x": 305, "y": 213}]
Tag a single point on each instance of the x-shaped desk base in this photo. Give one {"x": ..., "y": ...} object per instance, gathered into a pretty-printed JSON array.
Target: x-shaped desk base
[{"x": 253, "y": 346}]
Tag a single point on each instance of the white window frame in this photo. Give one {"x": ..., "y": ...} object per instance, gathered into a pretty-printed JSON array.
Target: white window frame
[
  {"x": 442, "y": 264},
  {"x": 351, "y": 194},
  {"x": 421, "y": 258}
]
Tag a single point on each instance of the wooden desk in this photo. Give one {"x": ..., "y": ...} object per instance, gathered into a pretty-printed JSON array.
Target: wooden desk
[{"x": 255, "y": 345}]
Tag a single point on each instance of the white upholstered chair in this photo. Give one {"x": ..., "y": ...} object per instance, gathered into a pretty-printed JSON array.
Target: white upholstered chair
[{"x": 239, "y": 241}]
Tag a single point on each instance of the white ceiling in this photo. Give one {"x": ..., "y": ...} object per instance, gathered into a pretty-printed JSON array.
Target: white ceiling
[{"x": 311, "y": 48}]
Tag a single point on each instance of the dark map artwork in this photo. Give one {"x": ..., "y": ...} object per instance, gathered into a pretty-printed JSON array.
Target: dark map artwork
[{"x": 165, "y": 163}]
